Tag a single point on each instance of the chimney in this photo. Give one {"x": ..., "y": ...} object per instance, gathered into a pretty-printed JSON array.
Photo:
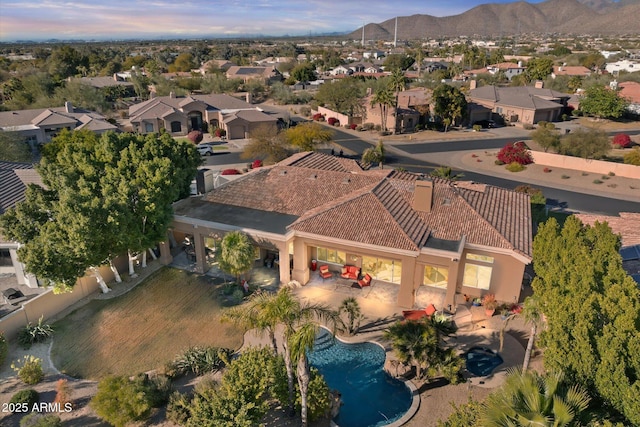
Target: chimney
[
  {"x": 614, "y": 85},
  {"x": 520, "y": 64},
  {"x": 115, "y": 76},
  {"x": 423, "y": 195},
  {"x": 539, "y": 84},
  {"x": 249, "y": 98},
  {"x": 68, "y": 107},
  {"x": 172, "y": 94},
  {"x": 473, "y": 84}
]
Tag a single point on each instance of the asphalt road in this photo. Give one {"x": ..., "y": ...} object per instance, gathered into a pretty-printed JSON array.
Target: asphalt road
[{"x": 555, "y": 197}]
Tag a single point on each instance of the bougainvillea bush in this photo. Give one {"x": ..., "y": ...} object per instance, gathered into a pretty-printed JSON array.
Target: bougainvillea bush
[
  {"x": 256, "y": 164},
  {"x": 195, "y": 136},
  {"x": 622, "y": 140},
  {"x": 230, "y": 172},
  {"x": 333, "y": 121},
  {"x": 515, "y": 152}
]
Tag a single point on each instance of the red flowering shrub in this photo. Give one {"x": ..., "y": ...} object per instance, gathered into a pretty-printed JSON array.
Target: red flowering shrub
[
  {"x": 515, "y": 152},
  {"x": 622, "y": 140},
  {"x": 195, "y": 136},
  {"x": 220, "y": 132},
  {"x": 333, "y": 121},
  {"x": 256, "y": 164},
  {"x": 230, "y": 172},
  {"x": 318, "y": 117},
  {"x": 546, "y": 170}
]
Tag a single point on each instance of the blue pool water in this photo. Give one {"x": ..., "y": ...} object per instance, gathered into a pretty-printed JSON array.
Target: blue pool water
[
  {"x": 482, "y": 361},
  {"x": 370, "y": 396}
]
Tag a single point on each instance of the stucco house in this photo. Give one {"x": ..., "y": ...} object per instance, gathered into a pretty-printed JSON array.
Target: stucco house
[
  {"x": 39, "y": 126},
  {"x": 631, "y": 92},
  {"x": 414, "y": 235},
  {"x": 509, "y": 69},
  {"x": 180, "y": 115},
  {"x": 627, "y": 65},
  {"x": 571, "y": 71},
  {"x": 414, "y": 107},
  {"x": 266, "y": 75},
  {"x": 522, "y": 104}
]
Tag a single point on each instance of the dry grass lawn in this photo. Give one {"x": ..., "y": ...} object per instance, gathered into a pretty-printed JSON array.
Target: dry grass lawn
[{"x": 143, "y": 329}]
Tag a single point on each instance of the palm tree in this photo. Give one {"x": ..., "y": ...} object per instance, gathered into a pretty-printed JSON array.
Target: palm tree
[
  {"x": 397, "y": 83},
  {"x": 351, "y": 307},
  {"x": 237, "y": 254},
  {"x": 532, "y": 314},
  {"x": 446, "y": 172},
  {"x": 413, "y": 342},
  {"x": 383, "y": 97},
  {"x": 529, "y": 399},
  {"x": 300, "y": 342}
]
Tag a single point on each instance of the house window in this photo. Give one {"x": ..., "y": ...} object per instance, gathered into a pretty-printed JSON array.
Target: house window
[
  {"x": 148, "y": 127},
  {"x": 477, "y": 276},
  {"x": 382, "y": 269},
  {"x": 436, "y": 276},
  {"x": 331, "y": 255},
  {"x": 257, "y": 253},
  {"x": 176, "y": 127},
  {"x": 482, "y": 258}
]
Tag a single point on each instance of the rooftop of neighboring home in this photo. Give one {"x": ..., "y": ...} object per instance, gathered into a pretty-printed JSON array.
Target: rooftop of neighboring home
[
  {"x": 335, "y": 197},
  {"x": 627, "y": 225},
  {"x": 630, "y": 91},
  {"x": 100, "y": 82},
  {"x": 563, "y": 70},
  {"x": 520, "y": 96},
  {"x": 162, "y": 106},
  {"x": 15, "y": 177},
  {"x": 53, "y": 117}
]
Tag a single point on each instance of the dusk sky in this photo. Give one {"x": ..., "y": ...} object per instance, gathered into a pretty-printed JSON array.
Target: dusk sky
[{"x": 117, "y": 19}]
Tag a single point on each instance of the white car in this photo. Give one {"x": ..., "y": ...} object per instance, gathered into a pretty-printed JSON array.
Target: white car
[{"x": 204, "y": 150}]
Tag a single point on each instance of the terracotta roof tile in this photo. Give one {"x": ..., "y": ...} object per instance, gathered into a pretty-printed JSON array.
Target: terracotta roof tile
[{"x": 627, "y": 225}]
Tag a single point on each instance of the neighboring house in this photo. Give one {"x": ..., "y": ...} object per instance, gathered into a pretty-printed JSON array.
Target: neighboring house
[
  {"x": 104, "y": 82},
  {"x": 215, "y": 64},
  {"x": 414, "y": 107},
  {"x": 266, "y": 75},
  {"x": 522, "y": 104},
  {"x": 273, "y": 60},
  {"x": 180, "y": 115},
  {"x": 373, "y": 69},
  {"x": 40, "y": 125},
  {"x": 340, "y": 70},
  {"x": 431, "y": 66},
  {"x": 373, "y": 54},
  {"x": 509, "y": 69},
  {"x": 563, "y": 70},
  {"x": 624, "y": 65},
  {"x": 357, "y": 68},
  {"x": 631, "y": 92},
  {"x": 420, "y": 239},
  {"x": 14, "y": 178}
]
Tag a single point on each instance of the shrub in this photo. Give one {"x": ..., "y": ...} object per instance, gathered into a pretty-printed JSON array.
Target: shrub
[
  {"x": 219, "y": 132},
  {"x": 32, "y": 334},
  {"x": 305, "y": 111},
  {"x": 63, "y": 392},
  {"x": 527, "y": 126},
  {"x": 622, "y": 140},
  {"x": 178, "y": 408},
  {"x": 28, "y": 396},
  {"x": 632, "y": 157},
  {"x": 36, "y": 419},
  {"x": 565, "y": 177},
  {"x": 499, "y": 162},
  {"x": 515, "y": 152},
  {"x": 120, "y": 401},
  {"x": 420, "y": 127},
  {"x": 4, "y": 349},
  {"x": 195, "y": 136},
  {"x": 317, "y": 117},
  {"x": 535, "y": 194},
  {"x": 360, "y": 128},
  {"x": 256, "y": 164},
  {"x": 199, "y": 360},
  {"x": 333, "y": 121},
  {"x": 477, "y": 128},
  {"x": 565, "y": 117},
  {"x": 230, "y": 172},
  {"x": 353, "y": 126},
  {"x": 515, "y": 167},
  {"x": 29, "y": 369},
  {"x": 597, "y": 181},
  {"x": 318, "y": 397},
  {"x": 611, "y": 174},
  {"x": 156, "y": 389},
  {"x": 546, "y": 170}
]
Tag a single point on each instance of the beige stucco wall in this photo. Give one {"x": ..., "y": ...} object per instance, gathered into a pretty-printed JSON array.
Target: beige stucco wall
[{"x": 577, "y": 163}]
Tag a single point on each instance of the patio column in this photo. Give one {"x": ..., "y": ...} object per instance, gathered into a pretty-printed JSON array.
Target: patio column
[
  {"x": 283, "y": 255},
  {"x": 165, "y": 253},
  {"x": 452, "y": 286},
  {"x": 408, "y": 286},
  {"x": 201, "y": 255},
  {"x": 300, "y": 261}
]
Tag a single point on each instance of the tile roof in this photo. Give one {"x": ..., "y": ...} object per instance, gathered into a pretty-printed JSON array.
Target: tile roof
[
  {"x": 335, "y": 197},
  {"x": 630, "y": 91},
  {"x": 47, "y": 117},
  {"x": 13, "y": 185},
  {"x": 627, "y": 225}
]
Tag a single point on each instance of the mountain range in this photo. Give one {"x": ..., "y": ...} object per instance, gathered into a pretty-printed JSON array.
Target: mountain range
[{"x": 552, "y": 17}]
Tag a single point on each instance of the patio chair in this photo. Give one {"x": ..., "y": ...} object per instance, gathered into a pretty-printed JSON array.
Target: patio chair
[
  {"x": 325, "y": 273},
  {"x": 365, "y": 281}
]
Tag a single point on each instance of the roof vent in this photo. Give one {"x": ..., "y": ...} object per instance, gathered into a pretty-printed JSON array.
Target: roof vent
[
  {"x": 446, "y": 202},
  {"x": 283, "y": 173},
  {"x": 314, "y": 176},
  {"x": 346, "y": 180}
]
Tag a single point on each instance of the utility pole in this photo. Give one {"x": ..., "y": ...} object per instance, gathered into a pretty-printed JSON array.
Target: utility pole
[
  {"x": 395, "y": 35},
  {"x": 363, "y": 25}
]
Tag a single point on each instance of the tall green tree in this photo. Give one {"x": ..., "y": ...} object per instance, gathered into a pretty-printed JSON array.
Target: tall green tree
[
  {"x": 304, "y": 72},
  {"x": 530, "y": 399},
  {"x": 602, "y": 102},
  {"x": 532, "y": 315},
  {"x": 449, "y": 103},
  {"x": 538, "y": 69},
  {"x": 237, "y": 254},
  {"x": 374, "y": 155},
  {"x": 397, "y": 83},
  {"x": 344, "y": 96},
  {"x": 592, "y": 311},
  {"x": 266, "y": 143},
  {"x": 13, "y": 148},
  {"x": 383, "y": 98},
  {"x": 300, "y": 343}
]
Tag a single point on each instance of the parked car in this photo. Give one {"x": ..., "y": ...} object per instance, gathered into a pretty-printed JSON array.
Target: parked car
[
  {"x": 205, "y": 150},
  {"x": 486, "y": 124}
]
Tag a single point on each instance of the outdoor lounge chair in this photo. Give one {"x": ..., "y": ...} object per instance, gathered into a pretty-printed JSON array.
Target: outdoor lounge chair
[
  {"x": 325, "y": 273},
  {"x": 419, "y": 314},
  {"x": 365, "y": 281}
]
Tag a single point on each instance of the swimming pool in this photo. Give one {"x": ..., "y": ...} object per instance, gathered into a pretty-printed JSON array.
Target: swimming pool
[
  {"x": 370, "y": 396},
  {"x": 481, "y": 361}
]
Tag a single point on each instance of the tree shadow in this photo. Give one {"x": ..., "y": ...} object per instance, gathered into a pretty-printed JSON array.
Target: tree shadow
[{"x": 378, "y": 324}]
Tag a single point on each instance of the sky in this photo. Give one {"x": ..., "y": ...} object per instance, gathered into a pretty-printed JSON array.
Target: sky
[{"x": 120, "y": 19}]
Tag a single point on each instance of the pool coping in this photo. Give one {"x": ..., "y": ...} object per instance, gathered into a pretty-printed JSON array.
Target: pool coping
[{"x": 415, "y": 395}]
